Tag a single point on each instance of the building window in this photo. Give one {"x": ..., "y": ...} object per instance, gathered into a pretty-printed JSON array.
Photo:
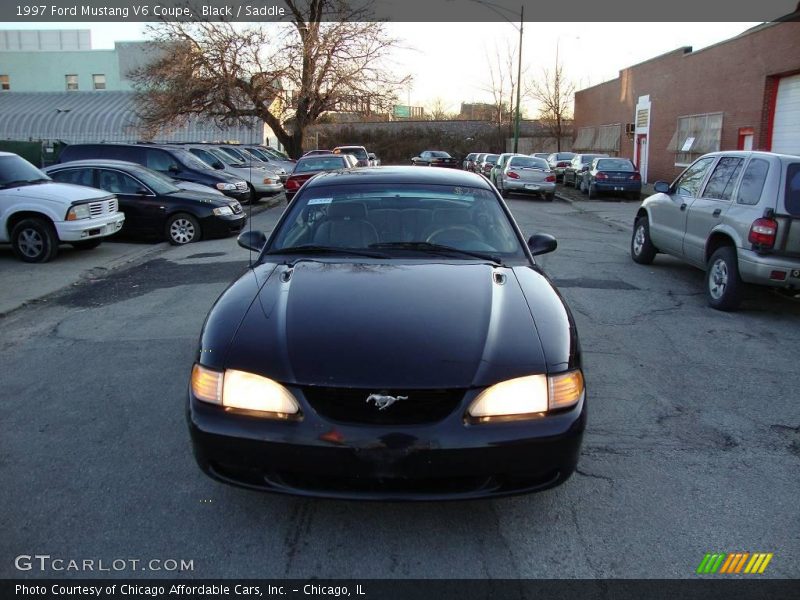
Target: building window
[
  {"x": 99, "y": 81},
  {"x": 604, "y": 138},
  {"x": 694, "y": 136},
  {"x": 72, "y": 82},
  {"x": 4, "y": 84}
]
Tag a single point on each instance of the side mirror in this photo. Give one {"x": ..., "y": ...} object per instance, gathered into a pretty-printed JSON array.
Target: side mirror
[
  {"x": 252, "y": 240},
  {"x": 542, "y": 243},
  {"x": 219, "y": 166},
  {"x": 661, "y": 187},
  {"x": 173, "y": 168},
  {"x": 142, "y": 192}
]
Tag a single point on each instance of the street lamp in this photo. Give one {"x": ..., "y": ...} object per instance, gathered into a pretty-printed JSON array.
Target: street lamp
[{"x": 494, "y": 8}]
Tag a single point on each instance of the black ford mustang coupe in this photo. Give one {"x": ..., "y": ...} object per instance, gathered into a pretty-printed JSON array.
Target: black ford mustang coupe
[{"x": 396, "y": 340}]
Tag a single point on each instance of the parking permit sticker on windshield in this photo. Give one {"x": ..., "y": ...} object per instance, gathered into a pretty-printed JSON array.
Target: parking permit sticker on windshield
[{"x": 314, "y": 201}]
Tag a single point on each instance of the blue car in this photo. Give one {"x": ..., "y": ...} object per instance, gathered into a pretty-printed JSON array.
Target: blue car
[{"x": 618, "y": 175}]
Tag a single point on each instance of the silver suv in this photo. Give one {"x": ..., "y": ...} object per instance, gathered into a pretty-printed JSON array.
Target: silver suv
[{"x": 734, "y": 214}]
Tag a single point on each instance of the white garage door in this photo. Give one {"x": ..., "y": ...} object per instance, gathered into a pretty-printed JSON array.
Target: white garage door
[{"x": 786, "y": 127}]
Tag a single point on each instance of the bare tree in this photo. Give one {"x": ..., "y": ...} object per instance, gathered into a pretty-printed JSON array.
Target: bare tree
[
  {"x": 554, "y": 93},
  {"x": 437, "y": 111},
  {"x": 502, "y": 84},
  {"x": 331, "y": 57}
]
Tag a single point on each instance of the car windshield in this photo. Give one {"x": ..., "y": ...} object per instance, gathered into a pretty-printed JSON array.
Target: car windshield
[
  {"x": 15, "y": 170},
  {"x": 190, "y": 160},
  {"x": 226, "y": 158},
  {"x": 491, "y": 158},
  {"x": 355, "y": 150},
  {"x": 614, "y": 164},
  {"x": 276, "y": 154},
  {"x": 258, "y": 154},
  {"x": 326, "y": 163},
  {"x": 164, "y": 179},
  {"x": 235, "y": 154},
  {"x": 439, "y": 154},
  {"x": 421, "y": 221},
  {"x": 160, "y": 184},
  {"x": 528, "y": 162},
  {"x": 565, "y": 156}
]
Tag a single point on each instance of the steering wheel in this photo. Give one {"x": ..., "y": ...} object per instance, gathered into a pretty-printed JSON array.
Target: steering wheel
[{"x": 464, "y": 233}]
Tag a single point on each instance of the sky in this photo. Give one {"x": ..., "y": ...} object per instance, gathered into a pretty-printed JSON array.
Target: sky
[{"x": 450, "y": 61}]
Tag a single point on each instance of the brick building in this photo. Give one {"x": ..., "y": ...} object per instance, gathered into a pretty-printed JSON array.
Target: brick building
[{"x": 663, "y": 113}]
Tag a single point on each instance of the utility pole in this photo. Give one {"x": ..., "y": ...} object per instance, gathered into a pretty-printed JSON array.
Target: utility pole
[{"x": 519, "y": 78}]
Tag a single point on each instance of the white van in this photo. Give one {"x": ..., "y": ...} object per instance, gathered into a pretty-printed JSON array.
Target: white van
[{"x": 37, "y": 214}]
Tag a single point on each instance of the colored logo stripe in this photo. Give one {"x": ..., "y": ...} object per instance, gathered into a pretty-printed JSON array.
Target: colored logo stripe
[{"x": 730, "y": 563}]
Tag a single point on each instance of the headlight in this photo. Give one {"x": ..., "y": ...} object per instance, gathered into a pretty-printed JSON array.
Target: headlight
[
  {"x": 223, "y": 211},
  {"x": 225, "y": 187},
  {"x": 528, "y": 397},
  {"x": 267, "y": 180},
  {"x": 246, "y": 392},
  {"x": 79, "y": 211}
]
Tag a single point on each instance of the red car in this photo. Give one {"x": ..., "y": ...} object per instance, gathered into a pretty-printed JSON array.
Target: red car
[{"x": 308, "y": 166}]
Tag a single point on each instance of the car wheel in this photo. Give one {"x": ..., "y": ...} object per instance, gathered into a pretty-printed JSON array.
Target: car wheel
[
  {"x": 592, "y": 191},
  {"x": 34, "y": 240},
  {"x": 583, "y": 186},
  {"x": 642, "y": 249},
  {"x": 87, "y": 244},
  {"x": 724, "y": 286},
  {"x": 182, "y": 229}
]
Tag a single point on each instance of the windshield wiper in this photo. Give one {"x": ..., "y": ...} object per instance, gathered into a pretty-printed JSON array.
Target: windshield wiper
[
  {"x": 317, "y": 249},
  {"x": 438, "y": 249}
]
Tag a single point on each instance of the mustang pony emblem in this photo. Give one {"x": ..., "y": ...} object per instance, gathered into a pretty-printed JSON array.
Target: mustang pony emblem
[{"x": 384, "y": 402}]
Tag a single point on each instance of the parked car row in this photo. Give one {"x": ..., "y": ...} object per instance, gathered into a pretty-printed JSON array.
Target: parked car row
[{"x": 511, "y": 172}]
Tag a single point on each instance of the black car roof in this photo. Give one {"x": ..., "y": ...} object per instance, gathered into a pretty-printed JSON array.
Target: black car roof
[{"x": 432, "y": 175}]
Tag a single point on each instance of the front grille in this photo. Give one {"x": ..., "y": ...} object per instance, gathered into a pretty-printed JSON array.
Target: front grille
[
  {"x": 236, "y": 208},
  {"x": 349, "y": 405},
  {"x": 241, "y": 186},
  {"x": 103, "y": 207}
]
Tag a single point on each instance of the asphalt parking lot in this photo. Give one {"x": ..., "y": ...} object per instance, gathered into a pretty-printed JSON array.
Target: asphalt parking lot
[{"x": 693, "y": 442}]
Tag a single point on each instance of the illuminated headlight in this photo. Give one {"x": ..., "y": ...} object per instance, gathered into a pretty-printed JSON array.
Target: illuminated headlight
[
  {"x": 223, "y": 211},
  {"x": 240, "y": 391},
  {"x": 80, "y": 211},
  {"x": 528, "y": 397},
  {"x": 225, "y": 187}
]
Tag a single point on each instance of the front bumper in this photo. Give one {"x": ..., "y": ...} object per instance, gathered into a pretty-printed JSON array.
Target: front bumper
[
  {"x": 242, "y": 196},
  {"x": 87, "y": 229},
  {"x": 223, "y": 226},
  {"x": 756, "y": 268},
  {"x": 267, "y": 188},
  {"x": 445, "y": 460}
]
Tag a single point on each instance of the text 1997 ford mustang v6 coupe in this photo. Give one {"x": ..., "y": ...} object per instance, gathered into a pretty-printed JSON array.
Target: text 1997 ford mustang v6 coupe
[{"x": 394, "y": 340}]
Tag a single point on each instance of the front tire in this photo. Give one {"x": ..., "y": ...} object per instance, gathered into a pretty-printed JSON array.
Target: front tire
[
  {"x": 182, "y": 229},
  {"x": 583, "y": 187},
  {"x": 724, "y": 286},
  {"x": 34, "y": 241},
  {"x": 592, "y": 191},
  {"x": 642, "y": 249}
]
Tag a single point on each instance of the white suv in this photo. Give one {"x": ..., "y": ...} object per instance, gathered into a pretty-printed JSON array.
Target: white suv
[{"x": 36, "y": 214}]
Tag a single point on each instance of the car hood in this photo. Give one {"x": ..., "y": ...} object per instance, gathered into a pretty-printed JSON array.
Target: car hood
[
  {"x": 197, "y": 187},
  {"x": 57, "y": 193},
  {"x": 380, "y": 326},
  {"x": 201, "y": 197}
]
